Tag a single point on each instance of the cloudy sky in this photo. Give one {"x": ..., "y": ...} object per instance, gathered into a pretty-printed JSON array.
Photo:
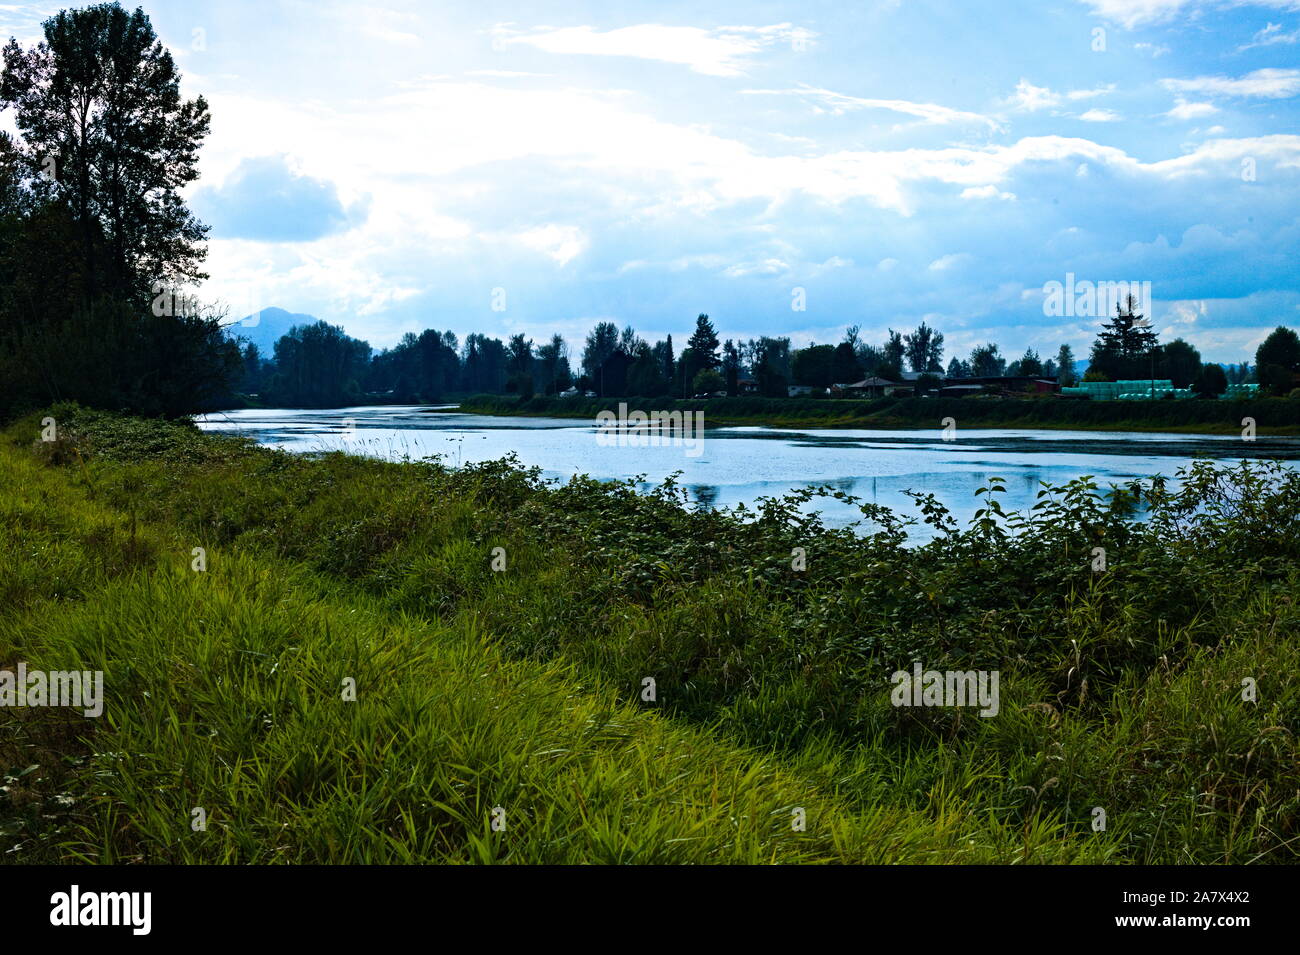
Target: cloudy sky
[{"x": 388, "y": 167}]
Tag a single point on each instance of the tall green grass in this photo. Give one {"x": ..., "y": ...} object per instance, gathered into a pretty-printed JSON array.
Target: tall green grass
[{"x": 523, "y": 688}]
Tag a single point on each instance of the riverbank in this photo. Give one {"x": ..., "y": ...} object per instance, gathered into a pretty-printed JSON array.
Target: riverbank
[
  {"x": 1273, "y": 416},
  {"x": 402, "y": 662}
]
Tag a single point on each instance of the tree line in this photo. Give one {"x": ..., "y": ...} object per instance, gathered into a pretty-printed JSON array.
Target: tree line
[{"x": 319, "y": 364}]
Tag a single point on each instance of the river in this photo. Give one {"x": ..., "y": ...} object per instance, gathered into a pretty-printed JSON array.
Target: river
[{"x": 741, "y": 464}]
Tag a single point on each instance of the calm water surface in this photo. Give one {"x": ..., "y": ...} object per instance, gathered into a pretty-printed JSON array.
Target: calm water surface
[{"x": 741, "y": 464}]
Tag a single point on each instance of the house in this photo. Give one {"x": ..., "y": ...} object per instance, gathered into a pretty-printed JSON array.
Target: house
[
  {"x": 747, "y": 386},
  {"x": 1000, "y": 385},
  {"x": 800, "y": 391},
  {"x": 952, "y": 390},
  {"x": 875, "y": 387}
]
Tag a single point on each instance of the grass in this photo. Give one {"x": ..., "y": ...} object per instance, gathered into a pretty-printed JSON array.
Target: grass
[{"x": 522, "y": 689}]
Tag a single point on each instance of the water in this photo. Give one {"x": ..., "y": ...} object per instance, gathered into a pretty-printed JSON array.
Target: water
[{"x": 741, "y": 464}]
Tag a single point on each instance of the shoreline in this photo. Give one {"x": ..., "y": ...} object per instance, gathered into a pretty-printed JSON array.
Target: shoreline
[{"x": 882, "y": 422}]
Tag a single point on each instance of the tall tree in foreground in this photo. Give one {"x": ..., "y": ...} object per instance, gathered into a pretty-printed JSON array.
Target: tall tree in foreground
[
  {"x": 106, "y": 133},
  {"x": 93, "y": 219}
]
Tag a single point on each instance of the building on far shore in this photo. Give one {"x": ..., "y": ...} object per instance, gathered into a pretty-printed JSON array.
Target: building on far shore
[{"x": 999, "y": 385}]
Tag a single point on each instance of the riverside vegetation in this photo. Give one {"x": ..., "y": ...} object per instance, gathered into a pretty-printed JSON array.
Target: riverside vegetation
[
  {"x": 520, "y": 690},
  {"x": 1271, "y": 415}
]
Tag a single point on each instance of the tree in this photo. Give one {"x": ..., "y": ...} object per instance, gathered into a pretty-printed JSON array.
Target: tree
[
  {"x": 700, "y": 352},
  {"x": 1180, "y": 362},
  {"x": 869, "y": 357},
  {"x": 731, "y": 367},
  {"x": 928, "y": 383},
  {"x": 845, "y": 369},
  {"x": 985, "y": 362},
  {"x": 252, "y": 371},
  {"x": 771, "y": 364},
  {"x": 91, "y": 217},
  {"x": 707, "y": 382},
  {"x": 1128, "y": 333},
  {"x": 1065, "y": 373},
  {"x": 318, "y": 366},
  {"x": 955, "y": 369},
  {"x": 98, "y": 103},
  {"x": 1030, "y": 364},
  {"x": 1277, "y": 360},
  {"x": 888, "y": 371},
  {"x": 1239, "y": 374},
  {"x": 814, "y": 366},
  {"x": 1125, "y": 345},
  {"x": 552, "y": 366},
  {"x": 1210, "y": 381},
  {"x": 484, "y": 364},
  {"x": 924, "y": 349},
  {"x": 601, "y": 342},
  {"x": 704, "y": 343},
  {"x": 519, "y": 366},
  {"x": 664, "y": 351},
  {"x": 894, "y": 350},
  {"x": 645, "y": 377}
]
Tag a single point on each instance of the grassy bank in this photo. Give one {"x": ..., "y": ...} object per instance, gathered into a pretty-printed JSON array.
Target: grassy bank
[
  {"x": 524, "y": 687},
  {"x": 1272, "y": 415}
]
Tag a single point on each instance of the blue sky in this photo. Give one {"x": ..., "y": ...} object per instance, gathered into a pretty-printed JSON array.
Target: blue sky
[{"x": 387, "y": 167}]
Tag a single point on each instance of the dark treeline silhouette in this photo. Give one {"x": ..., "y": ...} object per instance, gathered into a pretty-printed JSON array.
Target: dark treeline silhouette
[
  {"x": 93, "y": 232},
  {"x": 318, "y": 365}
]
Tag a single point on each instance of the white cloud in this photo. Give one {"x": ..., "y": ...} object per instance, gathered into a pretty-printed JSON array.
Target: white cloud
[
  {"x": 1185, "y": 110},
  {"x": 561, "y": 243},
  {"x": 724, "y": 51},
  {"x": 1030, "y": 97},
  {"x": 840, "y": 103},
  {"x": 1088, "y": 94},
  {"x": 946, "y": 262},
  {"x": 1133, "y": 13},
  {"x": 764, "y": 267},
  {"x": 505, "y": 74},
  {"x": 1100, "y": 116},
  {"x": 1154, "y": 50},
  {"x": 1270, "y": 35},
  {"x": 986, "y": 192},
  {"x": 1270, "y": 83}
]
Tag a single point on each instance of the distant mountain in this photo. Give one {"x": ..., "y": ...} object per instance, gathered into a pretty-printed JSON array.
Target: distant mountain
[{"x": 265, "y": 328}]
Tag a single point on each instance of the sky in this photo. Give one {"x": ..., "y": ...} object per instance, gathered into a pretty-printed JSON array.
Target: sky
[{"x": 787, "y": 168}]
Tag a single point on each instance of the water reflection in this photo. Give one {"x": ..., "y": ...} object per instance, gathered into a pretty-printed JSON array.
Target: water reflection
[{"x": 740, "y": 465}]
